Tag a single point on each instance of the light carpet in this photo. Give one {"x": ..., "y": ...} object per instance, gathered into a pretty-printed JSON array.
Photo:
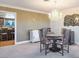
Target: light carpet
[{"x": 32, "y": 50}]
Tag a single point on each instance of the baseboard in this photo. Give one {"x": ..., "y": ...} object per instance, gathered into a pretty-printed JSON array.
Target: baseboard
[
  {"x": 22, "y": 42},
  {"x": 34, "y": 42}
]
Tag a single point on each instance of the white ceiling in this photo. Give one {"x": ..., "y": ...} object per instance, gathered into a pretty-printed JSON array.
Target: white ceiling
[{"x": 41, "y": 5}]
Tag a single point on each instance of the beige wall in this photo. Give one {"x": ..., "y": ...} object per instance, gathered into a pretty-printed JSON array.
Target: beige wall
[{"x": 27, "y": 20}]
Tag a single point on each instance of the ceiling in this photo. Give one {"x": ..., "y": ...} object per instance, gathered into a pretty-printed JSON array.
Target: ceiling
[{"x": 41, "y": 5}]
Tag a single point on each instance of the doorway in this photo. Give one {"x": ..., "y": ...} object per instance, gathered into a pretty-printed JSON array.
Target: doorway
[{"x": 7, "y": 28}]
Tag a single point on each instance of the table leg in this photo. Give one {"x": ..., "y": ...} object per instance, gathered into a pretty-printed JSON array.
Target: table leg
[{"x": 54, "y": 47}]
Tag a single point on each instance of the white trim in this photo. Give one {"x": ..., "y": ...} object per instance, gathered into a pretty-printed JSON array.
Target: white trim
[
  {"x": 15, "y": 28},
  {"x": 4, "y": 5},
  {"x": 22, "y": 42}
]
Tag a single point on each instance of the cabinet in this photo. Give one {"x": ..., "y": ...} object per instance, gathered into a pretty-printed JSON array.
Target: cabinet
[{"x": 34, "y": 36}]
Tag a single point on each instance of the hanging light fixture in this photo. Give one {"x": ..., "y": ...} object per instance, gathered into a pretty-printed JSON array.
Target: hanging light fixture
[
  {"x": 55, "y": 14},
  {"x": 55, "y": 17}
]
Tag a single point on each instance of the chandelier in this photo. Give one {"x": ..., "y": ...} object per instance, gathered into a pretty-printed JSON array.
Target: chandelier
[{"x": 55, "y": 13}]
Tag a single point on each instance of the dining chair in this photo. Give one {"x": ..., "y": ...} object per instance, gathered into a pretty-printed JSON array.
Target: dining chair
[
  {"x": 44, "y": 42},
  {"x": 64, "y": 43}
]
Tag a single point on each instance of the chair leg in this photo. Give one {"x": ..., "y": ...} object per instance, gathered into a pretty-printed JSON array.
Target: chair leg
[
  {"x": 43, "y": 45},
  {"x": 40, "y": 48},
  {"x": 68, "y": 49},
  {"x": 45, "y": 49},
  {"x": 62, "y": 50}
]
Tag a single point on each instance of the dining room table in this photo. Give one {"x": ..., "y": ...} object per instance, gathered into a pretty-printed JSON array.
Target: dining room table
[{"x": 54, "y": 37}]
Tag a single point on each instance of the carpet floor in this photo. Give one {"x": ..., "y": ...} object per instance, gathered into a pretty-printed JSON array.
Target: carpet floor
[{"x": 32, "y": 50}]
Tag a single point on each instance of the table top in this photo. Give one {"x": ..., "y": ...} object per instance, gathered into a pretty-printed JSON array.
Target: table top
[{"x": 54, "y": 35}]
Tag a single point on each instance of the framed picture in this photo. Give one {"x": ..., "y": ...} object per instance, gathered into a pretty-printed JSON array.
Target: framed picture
[{"x": 71, "y": 20}]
